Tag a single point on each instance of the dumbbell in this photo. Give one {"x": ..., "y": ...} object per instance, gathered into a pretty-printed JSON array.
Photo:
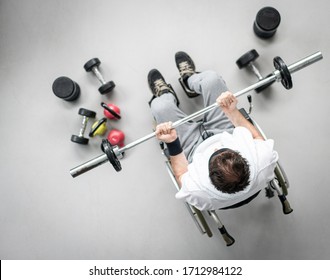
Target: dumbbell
[
  {"x": 87, "y": 114},
  {"x": 116, "y": 137},
  {"x": 246, "y": 60},
  {"x": 92, "y": 65},
  {"x": 111, "y": 111},
  {"x": 66, "y": 89},
  {"x": 98, "y": 128},
  {"x": 266, "y": 23}
]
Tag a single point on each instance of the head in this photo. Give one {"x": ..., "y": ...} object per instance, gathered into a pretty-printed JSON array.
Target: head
[{"x": 229, "y": 171}]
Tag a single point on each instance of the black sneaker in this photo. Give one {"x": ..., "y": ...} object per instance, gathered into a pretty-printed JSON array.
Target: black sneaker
[
  {"x": 186, "y": 67},
  {"x": 158, "y": 86}
]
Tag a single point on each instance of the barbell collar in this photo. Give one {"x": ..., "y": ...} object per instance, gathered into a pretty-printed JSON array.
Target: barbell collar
[{"x": 275, "y": 76}]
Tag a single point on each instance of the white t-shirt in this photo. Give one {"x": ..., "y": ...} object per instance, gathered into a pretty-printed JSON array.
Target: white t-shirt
[{"x": 197, "y": 188}]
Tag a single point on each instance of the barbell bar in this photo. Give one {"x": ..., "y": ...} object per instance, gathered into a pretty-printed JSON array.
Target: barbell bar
[{"x": 282, "y": 73}]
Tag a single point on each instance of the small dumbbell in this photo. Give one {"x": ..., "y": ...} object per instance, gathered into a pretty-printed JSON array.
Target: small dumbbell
[
  {"x": 116, "y": 137},
  {"x": 98, "y": 128},
  {"x": 246, "y": 60},
  {"x": 80, "y": 139},
  {"x": 111, "y": 111},
  {"x": 93, "y": 66}
]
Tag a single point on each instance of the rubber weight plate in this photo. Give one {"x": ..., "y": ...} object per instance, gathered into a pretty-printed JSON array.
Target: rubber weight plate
[{"x": 107, "y": 148}]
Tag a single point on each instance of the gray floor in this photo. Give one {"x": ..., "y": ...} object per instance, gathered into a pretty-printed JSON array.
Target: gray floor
[{"x": 46, "y": 214}]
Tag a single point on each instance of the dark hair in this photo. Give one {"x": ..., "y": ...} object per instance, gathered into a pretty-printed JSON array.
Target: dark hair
[{"x": 229, "y": 171}]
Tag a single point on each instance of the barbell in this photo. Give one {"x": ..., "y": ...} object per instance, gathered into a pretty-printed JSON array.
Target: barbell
[{"x": 281, "y": 73}]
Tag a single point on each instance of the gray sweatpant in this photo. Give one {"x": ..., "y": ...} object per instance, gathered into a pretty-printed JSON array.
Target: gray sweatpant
[{"x": 210, "y": 85}]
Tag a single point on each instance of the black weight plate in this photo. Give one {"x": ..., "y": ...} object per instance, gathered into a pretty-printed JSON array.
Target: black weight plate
[
  {"x": 79, "y": 140},
  {"x": 246, "y": 58},
  {"x": 260, "y": 89},
  {"x": 106, "y": 88},
  {"x": 286, "y": 79},
  {"x": 91, "y": 63},
  {"x": 86, "y": 113},
  {"x": 107, "y": 148}
]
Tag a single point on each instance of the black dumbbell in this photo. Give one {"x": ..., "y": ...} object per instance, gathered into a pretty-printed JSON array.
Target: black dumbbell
[
  {"x": 266, "y": 23},
  {"x": 246, "y": 60},
  {"x": 66, "y": 89},
  {"x": 80, "y": 139},
  {"x": 93, "y": 66}
]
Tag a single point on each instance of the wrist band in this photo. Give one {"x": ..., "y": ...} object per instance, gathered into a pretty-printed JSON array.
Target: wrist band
[{"x": 174, "y": 148}]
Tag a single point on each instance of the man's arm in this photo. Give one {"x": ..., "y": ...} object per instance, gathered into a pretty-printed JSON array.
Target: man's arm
[
  {"x": 228, "y": 103},
  {"x": 179, "y": 163}
]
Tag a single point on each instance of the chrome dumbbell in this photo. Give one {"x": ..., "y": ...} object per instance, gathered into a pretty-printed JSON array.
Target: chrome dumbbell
[
  {"x": 93, "y": 66},
  {"x": 246, "y": 60},
  {"x": 86, "y": 114}
]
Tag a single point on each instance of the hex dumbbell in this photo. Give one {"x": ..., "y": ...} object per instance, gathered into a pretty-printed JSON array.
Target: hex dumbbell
[
  {"x": 92, "y": 65},
  {"x": 246, "y": 60},
  {"x": 87, "y": 114}
]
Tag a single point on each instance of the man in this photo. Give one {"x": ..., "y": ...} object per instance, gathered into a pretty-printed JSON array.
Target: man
[{"x": 221, "y": 161}]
